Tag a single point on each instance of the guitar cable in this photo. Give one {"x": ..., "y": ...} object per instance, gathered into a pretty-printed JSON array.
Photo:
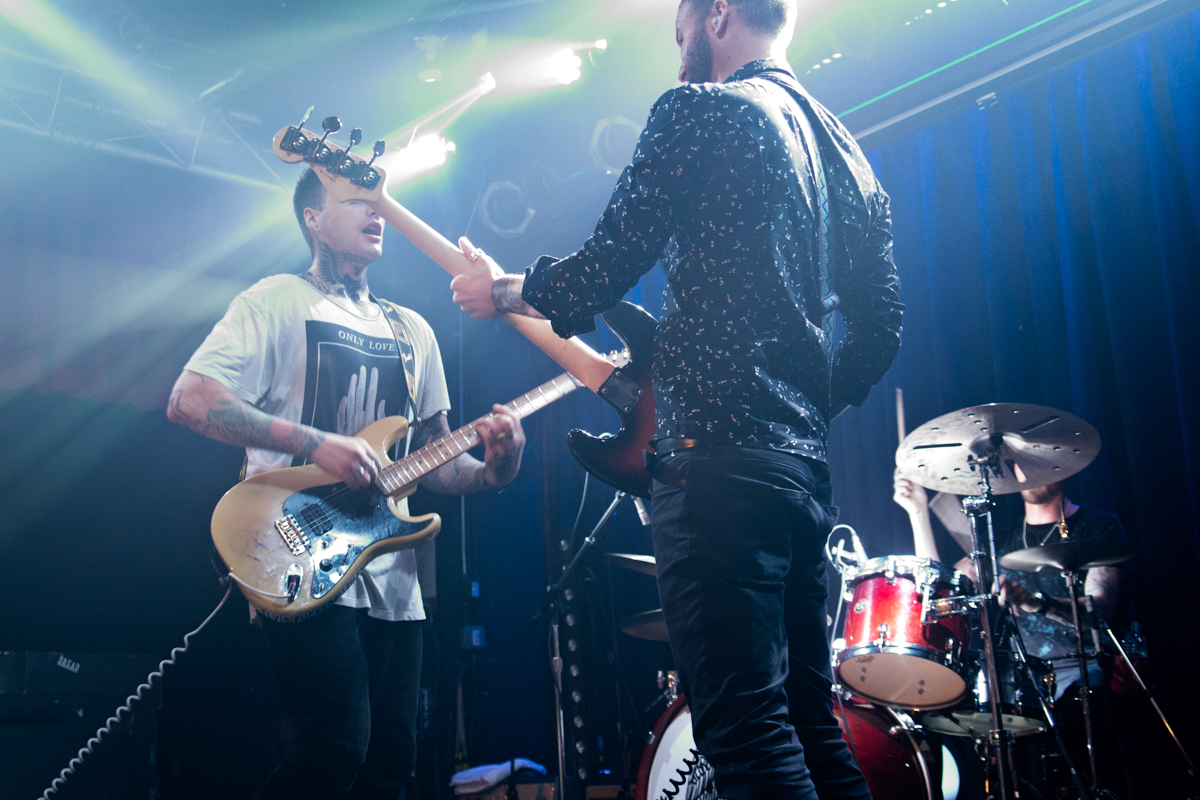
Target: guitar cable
[{"x": 115, "y": 719}]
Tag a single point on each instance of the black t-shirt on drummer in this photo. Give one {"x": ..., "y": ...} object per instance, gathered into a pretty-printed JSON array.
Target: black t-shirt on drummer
[{"x": 1046, "y": 638}]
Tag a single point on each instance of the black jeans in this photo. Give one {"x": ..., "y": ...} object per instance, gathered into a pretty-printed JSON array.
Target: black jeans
[
  {"x": 350, "y": 683},
  {"x": 739, "y": 535}
]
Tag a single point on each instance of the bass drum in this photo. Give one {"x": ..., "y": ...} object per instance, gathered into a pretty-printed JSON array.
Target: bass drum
[
  {"x": 896, "y": 768},
  {"x": 671, "y": 767}
]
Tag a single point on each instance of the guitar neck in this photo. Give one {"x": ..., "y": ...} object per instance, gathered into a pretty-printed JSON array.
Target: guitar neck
[
  {"x": 588, "y": 366},
  {"x": 421, "y": 462}
]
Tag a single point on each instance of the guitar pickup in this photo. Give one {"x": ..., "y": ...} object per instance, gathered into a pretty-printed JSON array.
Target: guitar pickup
[{"x": 316, "y": 519}]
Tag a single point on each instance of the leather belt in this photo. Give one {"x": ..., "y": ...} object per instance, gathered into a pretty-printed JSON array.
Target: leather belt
[{"x": 672, "y": 443}]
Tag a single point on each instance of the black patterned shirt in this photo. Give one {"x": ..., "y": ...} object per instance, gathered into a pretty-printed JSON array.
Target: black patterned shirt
[{"x": 767, "y": 218}]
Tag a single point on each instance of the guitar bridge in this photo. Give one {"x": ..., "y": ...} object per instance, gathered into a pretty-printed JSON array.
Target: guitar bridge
[{"x": 293, "y": 535}]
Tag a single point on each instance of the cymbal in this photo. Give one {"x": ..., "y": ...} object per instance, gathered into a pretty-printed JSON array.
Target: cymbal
[
  {"x": 637, "y": 563},
  {"x": 1034, "y": 445},
  {"x": 646, "y": 625},
  {"x": 1068, "y": 556}
]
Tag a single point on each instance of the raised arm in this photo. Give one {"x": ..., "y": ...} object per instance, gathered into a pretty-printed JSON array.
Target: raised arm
[
  {"x": 209, "y": 408},
  {"x": 912, "y": 498}
]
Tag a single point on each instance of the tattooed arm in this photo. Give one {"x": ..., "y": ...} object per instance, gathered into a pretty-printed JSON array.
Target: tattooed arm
[
  {"x": 1103, "y": 584},
  {"x": 208, "y": 407},
  {"x": 466, "y": 474}
]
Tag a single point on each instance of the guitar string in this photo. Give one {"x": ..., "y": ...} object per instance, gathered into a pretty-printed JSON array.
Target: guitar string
[{"x": 472, "y": 440}]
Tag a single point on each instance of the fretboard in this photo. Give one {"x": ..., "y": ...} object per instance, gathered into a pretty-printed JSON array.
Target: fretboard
[{"x": 419, "y": 463}]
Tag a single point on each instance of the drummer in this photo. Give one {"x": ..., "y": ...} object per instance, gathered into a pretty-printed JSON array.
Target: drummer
[{"x": 1040, "y": 601}]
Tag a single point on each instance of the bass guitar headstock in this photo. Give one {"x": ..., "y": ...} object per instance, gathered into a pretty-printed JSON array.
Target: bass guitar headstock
[{"x": 345, "y": 175}]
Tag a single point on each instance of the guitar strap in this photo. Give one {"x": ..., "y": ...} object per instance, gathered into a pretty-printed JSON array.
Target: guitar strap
[
  {"x": 407, "y": 358},
  {"x": 823, "y": 217},
  {"x": 819, "y": 204}
]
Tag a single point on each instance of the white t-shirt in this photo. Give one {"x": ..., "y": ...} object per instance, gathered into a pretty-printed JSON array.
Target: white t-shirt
[{"x": 295, "y": 353}]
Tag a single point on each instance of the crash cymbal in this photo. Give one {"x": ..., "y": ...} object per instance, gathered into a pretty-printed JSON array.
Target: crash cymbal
[
  {"x": 646, "y": 625},
  {"x": 637, "y": 563},
  {"x": 1068, "y": 556},
  {"x": 1034, "y": 446}
]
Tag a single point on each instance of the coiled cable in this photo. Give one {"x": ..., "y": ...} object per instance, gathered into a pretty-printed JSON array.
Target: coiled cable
[{"x": 106, "y": 728}]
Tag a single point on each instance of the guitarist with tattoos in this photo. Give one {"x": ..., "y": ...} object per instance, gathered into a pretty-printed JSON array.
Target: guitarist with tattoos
[{"x": 296, "y": 367}]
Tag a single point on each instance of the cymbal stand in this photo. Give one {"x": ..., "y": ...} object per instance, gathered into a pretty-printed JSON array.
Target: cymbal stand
[
  {"x": 1023, "y": 659},
  {"x": 977, "y": 507},
  {"x": 1098, "y": 622},
  {"x": 1072, "y": 578}
]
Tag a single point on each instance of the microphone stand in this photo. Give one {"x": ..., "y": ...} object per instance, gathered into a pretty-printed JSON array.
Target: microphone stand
[
  {"x": 551, "y": 605},
  {"x": 1098, "y": 623}
]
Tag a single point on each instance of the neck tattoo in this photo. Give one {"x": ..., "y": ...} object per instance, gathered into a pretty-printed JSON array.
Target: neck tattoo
[{"x": 339, "y": 274}]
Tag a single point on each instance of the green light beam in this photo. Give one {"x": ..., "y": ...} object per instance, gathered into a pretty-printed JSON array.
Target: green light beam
[{"x": 961, "y": 59}]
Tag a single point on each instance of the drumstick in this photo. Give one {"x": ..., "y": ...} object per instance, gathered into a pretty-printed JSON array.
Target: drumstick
[{"x": 900, "y": 414}]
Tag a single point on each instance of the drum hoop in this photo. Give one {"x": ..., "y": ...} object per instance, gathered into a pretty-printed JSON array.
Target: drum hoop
[
  {"x": 916, "y": 651},
  {"x": 905, "y": 566},
  {"x": 674, "y": 709}
]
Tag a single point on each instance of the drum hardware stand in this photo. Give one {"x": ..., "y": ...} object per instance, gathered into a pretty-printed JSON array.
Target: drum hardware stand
[
  {"x": 550, "y": 605},
  {"x": 1098, "y": 623},
  {"x": 1023, "y": 659},
  {"x": 1072, "y": 579},
  {"x": 999, "y": 742}
]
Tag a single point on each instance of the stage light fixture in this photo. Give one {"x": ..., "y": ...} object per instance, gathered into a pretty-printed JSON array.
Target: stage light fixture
[
  {"x": 613, "y": 142},
  {"x": 543, "y": 65},
  {"x": 424, "y": 154},
  {"x": 430, "y": 45},
  {"x": 503, "y": 211},
  {"x": 564, "y": 66}
]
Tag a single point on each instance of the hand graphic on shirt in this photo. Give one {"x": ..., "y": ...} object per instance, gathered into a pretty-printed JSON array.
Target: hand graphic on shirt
[{"x": 357, "y": 409}]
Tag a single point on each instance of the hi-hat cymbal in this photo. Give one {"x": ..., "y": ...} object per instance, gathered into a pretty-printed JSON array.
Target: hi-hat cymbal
[
  {"x": 635, "y": 562},
  {"x": 646, "y": 625},
  {"x": 1068, "y": 556},
  {"x": 1034, "y": 446}
]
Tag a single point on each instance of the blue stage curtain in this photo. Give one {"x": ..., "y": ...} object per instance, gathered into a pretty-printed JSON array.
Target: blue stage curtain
[{"x": 1048, "y": 249}]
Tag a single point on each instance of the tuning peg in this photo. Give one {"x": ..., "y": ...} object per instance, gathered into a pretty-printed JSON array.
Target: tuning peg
[
  {"x": 355, "y": 138},
  {"x": 377, "y": 151},
  {"x": 330, "y": 125}
]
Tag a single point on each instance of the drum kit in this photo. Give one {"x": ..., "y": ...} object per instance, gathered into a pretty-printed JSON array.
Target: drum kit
[{"x": 924, "y": 648}]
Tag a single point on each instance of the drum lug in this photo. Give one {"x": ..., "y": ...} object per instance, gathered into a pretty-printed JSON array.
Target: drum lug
[
  {"x": 883, "y": 630},
  {"x": 889, "y": 572},
  {"x": 906, "y": 726}
]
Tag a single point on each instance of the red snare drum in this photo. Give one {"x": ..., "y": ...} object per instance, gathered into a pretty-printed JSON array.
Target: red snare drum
[
  {"x": 891, "y": 656},
  {"x": 896, "y": 767}
]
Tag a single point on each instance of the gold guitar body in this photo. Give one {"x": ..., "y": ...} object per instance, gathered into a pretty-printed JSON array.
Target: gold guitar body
[{"x": 296, "y": 538}]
